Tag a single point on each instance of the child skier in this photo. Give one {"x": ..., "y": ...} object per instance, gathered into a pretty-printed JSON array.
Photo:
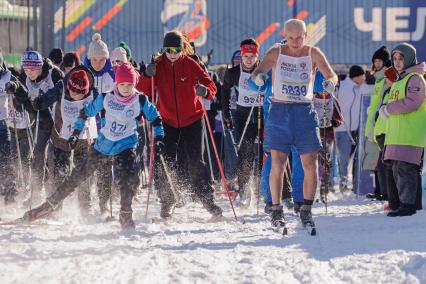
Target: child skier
[{"x": 116, "y": 141}]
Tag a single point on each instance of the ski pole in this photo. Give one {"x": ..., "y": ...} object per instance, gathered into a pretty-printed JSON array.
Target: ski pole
[
  {"x": 206, "y": 139},
  {"x": 151, "y": 154},
  {"x": 20, "y": 176},
  {"x": 225, "y": 183},
  {"x": 259, "y": 130},
  {"x": 110, "y": 191},
  {"x": 247, "y": 121},
  {"x": 178, "y": 199},
  {"x": 325, "y": 179}
]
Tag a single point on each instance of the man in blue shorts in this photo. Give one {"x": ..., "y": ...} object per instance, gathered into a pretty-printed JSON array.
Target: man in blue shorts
[{"x": 292, "y": 117}]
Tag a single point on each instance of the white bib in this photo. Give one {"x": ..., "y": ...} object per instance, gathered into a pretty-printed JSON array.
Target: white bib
[
  {"x": 4, "y": 96},
  {"x": 246, "y": 96},
  {"x": 70, "y": 111},
  {"x": 293, "y": 80},
  {"x": 319, "y": 106},
  {"x": 120, "y": 119},
  {"x": 44, "y": 85}
]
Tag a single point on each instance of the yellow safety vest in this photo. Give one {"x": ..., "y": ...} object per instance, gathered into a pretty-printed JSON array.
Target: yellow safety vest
[{"x": 408, "y": 128}]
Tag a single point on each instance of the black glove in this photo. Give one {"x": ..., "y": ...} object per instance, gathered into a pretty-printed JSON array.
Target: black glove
[
  {"x": 151, "y": 68},
  {"x": 201, "y": 91},
  {"x": 228, "y": 123},
  {"x": 11, "y": 87},
  {"x": 142, "y": 68},
  {"x": 159, "y": 146},
  {"x": 73, "y": 140}
]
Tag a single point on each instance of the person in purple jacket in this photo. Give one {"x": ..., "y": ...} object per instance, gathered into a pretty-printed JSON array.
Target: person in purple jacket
[{"x": 405, "y": 115}]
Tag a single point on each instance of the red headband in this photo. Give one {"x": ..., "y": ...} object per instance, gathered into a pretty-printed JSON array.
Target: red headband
[{"x": 249, "y": 48}]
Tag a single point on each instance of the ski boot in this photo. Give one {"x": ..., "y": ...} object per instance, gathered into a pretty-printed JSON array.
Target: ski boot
[
  {"x": 167, "y": 210},
  {"x": 268, "y": 208},
  {"x": 245, "y": 198},
  {"x": 306, "y": 219},
  {"x": 126, "y": 221},
  {"x": 212, "y": 208},
  {"x": 403, "y": 210},
  {"x": 277, "y": 219},
  {"x": 43, "y": 211}
]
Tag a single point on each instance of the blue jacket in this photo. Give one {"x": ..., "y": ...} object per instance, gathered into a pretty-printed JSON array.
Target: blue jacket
[{"x": 111, "y": 148}]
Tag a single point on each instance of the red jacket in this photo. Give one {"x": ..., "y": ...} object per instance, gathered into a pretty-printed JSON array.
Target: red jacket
[{"x": 175, "y": 83}]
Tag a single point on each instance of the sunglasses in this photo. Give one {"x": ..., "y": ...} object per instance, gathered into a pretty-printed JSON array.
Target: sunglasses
[{"x": 172, "y": 49}]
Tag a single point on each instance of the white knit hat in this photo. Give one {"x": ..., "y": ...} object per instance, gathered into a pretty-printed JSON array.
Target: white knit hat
[
  {"x": 97, "y": 47},
  {"x": 119, "y": 53}
]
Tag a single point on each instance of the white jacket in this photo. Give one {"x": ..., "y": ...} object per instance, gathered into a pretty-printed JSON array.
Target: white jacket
[{"x": 350, "y": 94}]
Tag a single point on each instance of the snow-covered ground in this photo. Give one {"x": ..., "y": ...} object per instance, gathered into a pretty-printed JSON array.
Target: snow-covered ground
[{"x": 356, "y": 243}]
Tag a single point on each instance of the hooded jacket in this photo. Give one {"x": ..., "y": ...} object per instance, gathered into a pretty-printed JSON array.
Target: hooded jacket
[
  {"x": 53, "y": 97},
  {"x": 49, "y": 72},
  {"x": 175, "y": 83},
  {"x": 104, "y": 79}
]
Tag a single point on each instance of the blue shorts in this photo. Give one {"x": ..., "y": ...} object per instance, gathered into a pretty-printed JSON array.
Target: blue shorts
[{"x": 292, "y": 124}]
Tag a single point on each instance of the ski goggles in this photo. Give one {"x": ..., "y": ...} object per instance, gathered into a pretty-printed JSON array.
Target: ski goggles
[{"x": 172, "y": 49}]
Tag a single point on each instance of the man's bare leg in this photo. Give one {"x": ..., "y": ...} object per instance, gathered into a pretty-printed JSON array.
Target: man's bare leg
[
  {"x": 276, "y": 176},
  {"x": 310, "y": 170}
]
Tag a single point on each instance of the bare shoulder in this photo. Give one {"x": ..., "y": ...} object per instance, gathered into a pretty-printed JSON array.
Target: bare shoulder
[{"x": 316, "y": 52}]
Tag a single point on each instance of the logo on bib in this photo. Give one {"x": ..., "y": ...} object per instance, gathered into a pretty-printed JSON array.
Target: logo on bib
[
  {"x": 303, "y": 65},
  {"x": 130, "y": 113},
  {"x": 304, "y": 76}
]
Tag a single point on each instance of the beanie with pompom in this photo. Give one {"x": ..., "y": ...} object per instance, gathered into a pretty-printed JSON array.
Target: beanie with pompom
[{"x": 97, "y": 47}]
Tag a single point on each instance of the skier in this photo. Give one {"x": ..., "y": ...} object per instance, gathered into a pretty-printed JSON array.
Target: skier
[
  {"x": 68, "y": 97},
  {"x": 292, "y": 118},
  {"x": 70, "y": 61},
  {"x": 99, "y": 63},
  {"x": 328, "y": 110},
  {"x": 10, "y": 181},
  {"x": 41, "y": 75},
  {"x": 180, "y": 84},
  {"x": 117, "y": 141},
  {"x": 247, "y": 110}
]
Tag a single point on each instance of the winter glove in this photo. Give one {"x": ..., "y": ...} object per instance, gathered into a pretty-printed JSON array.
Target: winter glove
[
  {"x": 328, "y": 86},
  {"x": 228, "y": 123},
  {"x": 142, "y": 68},
  {"x": 150, "y": 70},
  {"x": 11, "y": 87},
  {"x": 383, "y": 112},
  {"x": 73, "y": 140},
  {"x": 260, "y": 79},
  {"x": 201, "y": 91},
  {"x": 159, "y": 146}
]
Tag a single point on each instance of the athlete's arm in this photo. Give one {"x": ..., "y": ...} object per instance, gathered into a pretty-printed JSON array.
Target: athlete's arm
[
  {"x": 322, "y": 64},
  {"x": 267, "y": 63}
]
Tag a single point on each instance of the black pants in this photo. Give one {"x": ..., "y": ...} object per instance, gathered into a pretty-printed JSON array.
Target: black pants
[
  {"x": 184, "y": 159},
  {"x": 126, "y": 166},
  {"x": 63, "y": 168},
  {"x": 404, "y": 185},
  {"x": 247, "y": 152},
  {"x": 7, "y": 174}
]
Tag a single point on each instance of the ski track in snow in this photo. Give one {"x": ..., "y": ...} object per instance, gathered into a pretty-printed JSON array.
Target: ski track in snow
[{"x": 356, "y": 243}]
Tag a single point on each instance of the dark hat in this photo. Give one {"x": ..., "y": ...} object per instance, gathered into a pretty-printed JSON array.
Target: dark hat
[
  {"x": 78, "y": 82},
  {"x": 71, "y": 59},
  {"x": 383, "y": 54},
  {"x": 356, "y": 71},
  {"x": 56, "y": 55},
  {"x": 173, "y": 39}
]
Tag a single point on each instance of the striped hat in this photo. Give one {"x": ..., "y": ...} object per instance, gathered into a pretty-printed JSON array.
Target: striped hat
[{"x": 32, "y": 60}]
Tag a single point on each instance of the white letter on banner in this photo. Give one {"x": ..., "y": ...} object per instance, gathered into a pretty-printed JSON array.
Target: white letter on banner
[
  {"x": 420, "y": 25},
  {"x": 393, "y": 23},
  {"x": 375, "y": 26}
]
